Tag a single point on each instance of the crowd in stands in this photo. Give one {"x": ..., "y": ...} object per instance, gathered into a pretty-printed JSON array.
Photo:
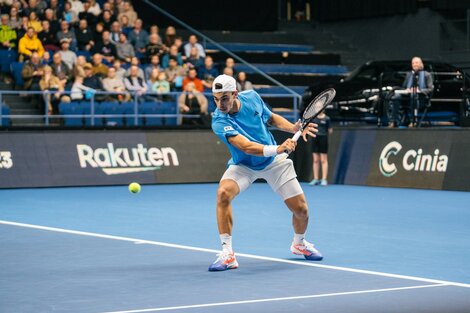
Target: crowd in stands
[{"x": 72, "y": 49}]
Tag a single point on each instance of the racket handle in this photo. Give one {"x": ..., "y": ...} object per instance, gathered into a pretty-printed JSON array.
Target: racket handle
[{"x": 295, "y": 138}]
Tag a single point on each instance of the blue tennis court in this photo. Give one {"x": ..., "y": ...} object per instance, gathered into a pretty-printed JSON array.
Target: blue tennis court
[{"x": 102, "y": 249}]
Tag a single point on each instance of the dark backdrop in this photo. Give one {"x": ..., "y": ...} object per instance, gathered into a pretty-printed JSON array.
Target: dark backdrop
[{"x": 242, "y": 15}]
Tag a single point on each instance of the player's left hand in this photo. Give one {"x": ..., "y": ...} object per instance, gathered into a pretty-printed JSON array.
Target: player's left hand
[{"x": 311, "y": 129}]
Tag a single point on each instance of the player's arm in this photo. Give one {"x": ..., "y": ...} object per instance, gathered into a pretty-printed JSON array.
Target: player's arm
[
  {"x": 249, "y": 147},
  {"x": 281, "y": 123}
]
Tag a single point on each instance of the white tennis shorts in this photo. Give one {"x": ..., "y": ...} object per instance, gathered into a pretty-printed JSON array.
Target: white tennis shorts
[{"x": 280, "y": 175}]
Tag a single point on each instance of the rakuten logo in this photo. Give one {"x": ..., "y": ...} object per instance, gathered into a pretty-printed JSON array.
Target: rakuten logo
[
  {"x": 124, "y": 160},
  {"x": 413, "y": 160}
]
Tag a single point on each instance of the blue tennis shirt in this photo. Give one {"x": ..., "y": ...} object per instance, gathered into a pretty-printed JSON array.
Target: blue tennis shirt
[{"x": 251, "y": 122}]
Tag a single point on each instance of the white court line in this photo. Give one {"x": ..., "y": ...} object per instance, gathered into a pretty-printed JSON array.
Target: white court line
[
  {"x": 251, "y": 256},
  {"x": 276, "y": 299}
]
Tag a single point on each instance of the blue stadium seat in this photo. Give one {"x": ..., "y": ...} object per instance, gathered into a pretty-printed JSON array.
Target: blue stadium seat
[
  {"x": 6, "y": 58},
  {"x": 112, "y": 108},
  {"x": 152, "y": 108},
  {"x": 5, "y": 120},
  {"x": 86, "y": 54},
  {"x": 73, "y": 113},
  {"x": 261, "y": 47},
  {"x": 86, "y": 107},
  {"x": 16, "y": 68},
  {"x": 170, "y": 108},
  {"x": 129, "y": 117}
]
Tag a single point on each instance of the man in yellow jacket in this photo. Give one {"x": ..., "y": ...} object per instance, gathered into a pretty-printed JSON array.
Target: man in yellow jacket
[{"x": 29, "y": 44}]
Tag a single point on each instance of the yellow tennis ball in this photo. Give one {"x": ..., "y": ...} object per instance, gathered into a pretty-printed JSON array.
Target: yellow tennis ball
[{"x": 134, "y": 187}]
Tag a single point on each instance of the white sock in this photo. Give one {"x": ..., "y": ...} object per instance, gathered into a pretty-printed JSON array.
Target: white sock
[
  {"x": 299, "y": 238},
  {"x": 226, "y": 241}
]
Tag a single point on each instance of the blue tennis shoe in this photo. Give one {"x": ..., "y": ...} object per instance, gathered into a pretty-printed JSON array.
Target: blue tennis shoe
[
  {"x": 225, "y": 261},
  {"x": 307, "y": 250}
]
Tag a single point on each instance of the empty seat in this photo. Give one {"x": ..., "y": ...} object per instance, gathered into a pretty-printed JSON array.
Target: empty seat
[
  {"x": 97, "y": 110},
  {"x": 150, "y": 108},
  {"x": 16, "y": 68},
  {"x": 5, "y": 120},
  {"x": 113, "y": 108},
  {"x": 73, "y": 113},
  {"x": 129, "y": 114}
]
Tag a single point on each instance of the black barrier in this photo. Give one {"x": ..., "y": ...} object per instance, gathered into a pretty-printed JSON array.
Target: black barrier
[
  {"x": 416, "y": 158},
  {"x": 89, "y": 158}
]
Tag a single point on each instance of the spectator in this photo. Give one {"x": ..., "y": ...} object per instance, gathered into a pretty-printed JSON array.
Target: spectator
[
  {"x": 87, "y": 15},
  {"x": 125, "y": 51},
  {"x": 107, "y": 19},
  {"x": 170, "y": 36},
  {"x": 175, "y": 74},
  {"x": 140, "y": 73},
  {"x": 173, "y": 52},
  {"x": 34, "y": 22},
  {"x": 54, "y": 25},
  {"x": 230, "y": 63},
  {"x": 155, "y": 30},
  {"x": 320, "y": 150},
  {"x": 94, "y": 8},
  {"x": 24, "y": 27},
  {"x": 76, "y": 6},
  {"x": 129, "y": 12},
  {"x": 191, "y": 101},
  {"x": 99, "y": 69},
  {"x": 66, "y": 34},
  {"x": 112, "y": 83},
  {"x": 125, "y": 26},
  {"x": 61, "y": 70},
  {"x": 228, "y": 71},
  {"x": 153, "y": 77},
  {"x": 29, "y": 44},
  {"x": 56, "y": 9},
  {"x": 46, "y": 58},
  {"x": 7, "y": 34},
  {"x": 48, "y": 37},
  {"x": 78, "y": 68},
  {"x": 69, "y": 15},
  {"x": 98, "y": 34},
  {"x": 120, "y": 72},
  {"x": 208, "y": 72},
  {"x": 51, "y": 83},
  {"x": 242, "y": 83},
  {"x": 161, "y": 86},
  {"x": 179, "y": 45},
  {"x": 92, "y": 81},
  {"x": 154, "y": 47},
  {"x": 76, "y": 92},
  {"x": 115, "y": 32},
  {"x": 194, "y": 60},
  {"x": 32, "y": 73},
  {"x": 154, "y": 63},
  {"x": 15, "y": 19},
  {"x": 106, "y": 48},
  {"x": 192, "y": 77},
  {"x": 134, "y": 83},
  {"x": 69, "y": 57},
  {"x": 139, "y": 37},
  {"x": 192, "y": 42},
  {"x": 33, "y": 6},
  {"x": 84, "y": 36}
]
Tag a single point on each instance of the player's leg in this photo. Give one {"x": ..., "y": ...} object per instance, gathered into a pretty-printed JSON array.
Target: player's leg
[
  {"x": 282, "y": 178},
  {"x": 300, "y": 216},
  {"x": 235, "y": 180}
]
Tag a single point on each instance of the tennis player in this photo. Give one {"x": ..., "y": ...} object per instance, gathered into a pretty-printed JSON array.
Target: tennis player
[{"x": 241, "y": 121}]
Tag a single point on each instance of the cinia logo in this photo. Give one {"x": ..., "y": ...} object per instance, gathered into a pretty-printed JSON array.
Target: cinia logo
[
  {"x": 412, "y": 160},
  {"x": 124, "y": 160}
]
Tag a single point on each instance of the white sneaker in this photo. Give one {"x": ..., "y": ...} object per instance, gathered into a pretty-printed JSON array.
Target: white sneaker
[
  {"x": 307, "y": 250},
  {"x": 225, "y": 261},
  {"x": 314, "y": 182},
  {"x": 324, "y": 182}
]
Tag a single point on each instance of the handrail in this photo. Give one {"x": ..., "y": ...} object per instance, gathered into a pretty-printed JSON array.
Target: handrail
[
  {"x": 136, "y": 99},
  {"x": 180, "y": 22}
]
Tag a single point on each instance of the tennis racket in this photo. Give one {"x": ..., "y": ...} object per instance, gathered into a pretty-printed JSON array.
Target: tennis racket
[{"x": 315, "y": 107}]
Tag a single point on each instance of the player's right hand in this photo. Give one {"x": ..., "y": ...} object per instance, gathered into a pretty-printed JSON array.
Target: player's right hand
[{"x": 287, "y": 146}]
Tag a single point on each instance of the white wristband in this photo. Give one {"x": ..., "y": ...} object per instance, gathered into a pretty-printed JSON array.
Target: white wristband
[{"x": 270, "y": 150}]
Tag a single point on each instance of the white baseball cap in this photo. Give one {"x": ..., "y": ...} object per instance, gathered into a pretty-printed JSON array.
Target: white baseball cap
[{"x": 224, "y": 83}]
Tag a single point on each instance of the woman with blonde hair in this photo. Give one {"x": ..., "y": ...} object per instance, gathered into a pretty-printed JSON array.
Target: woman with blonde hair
[{"x": 53, "y": 89}]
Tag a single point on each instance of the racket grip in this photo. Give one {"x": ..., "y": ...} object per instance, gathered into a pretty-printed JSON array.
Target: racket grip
[{"x": 295, "y": 138}]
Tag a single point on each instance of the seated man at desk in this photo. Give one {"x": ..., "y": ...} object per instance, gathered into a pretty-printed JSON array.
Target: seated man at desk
[{"x": 418, "y": 87}]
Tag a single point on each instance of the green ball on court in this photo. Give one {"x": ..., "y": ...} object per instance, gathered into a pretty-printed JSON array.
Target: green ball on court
[{"x": 134, "y": 187}]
